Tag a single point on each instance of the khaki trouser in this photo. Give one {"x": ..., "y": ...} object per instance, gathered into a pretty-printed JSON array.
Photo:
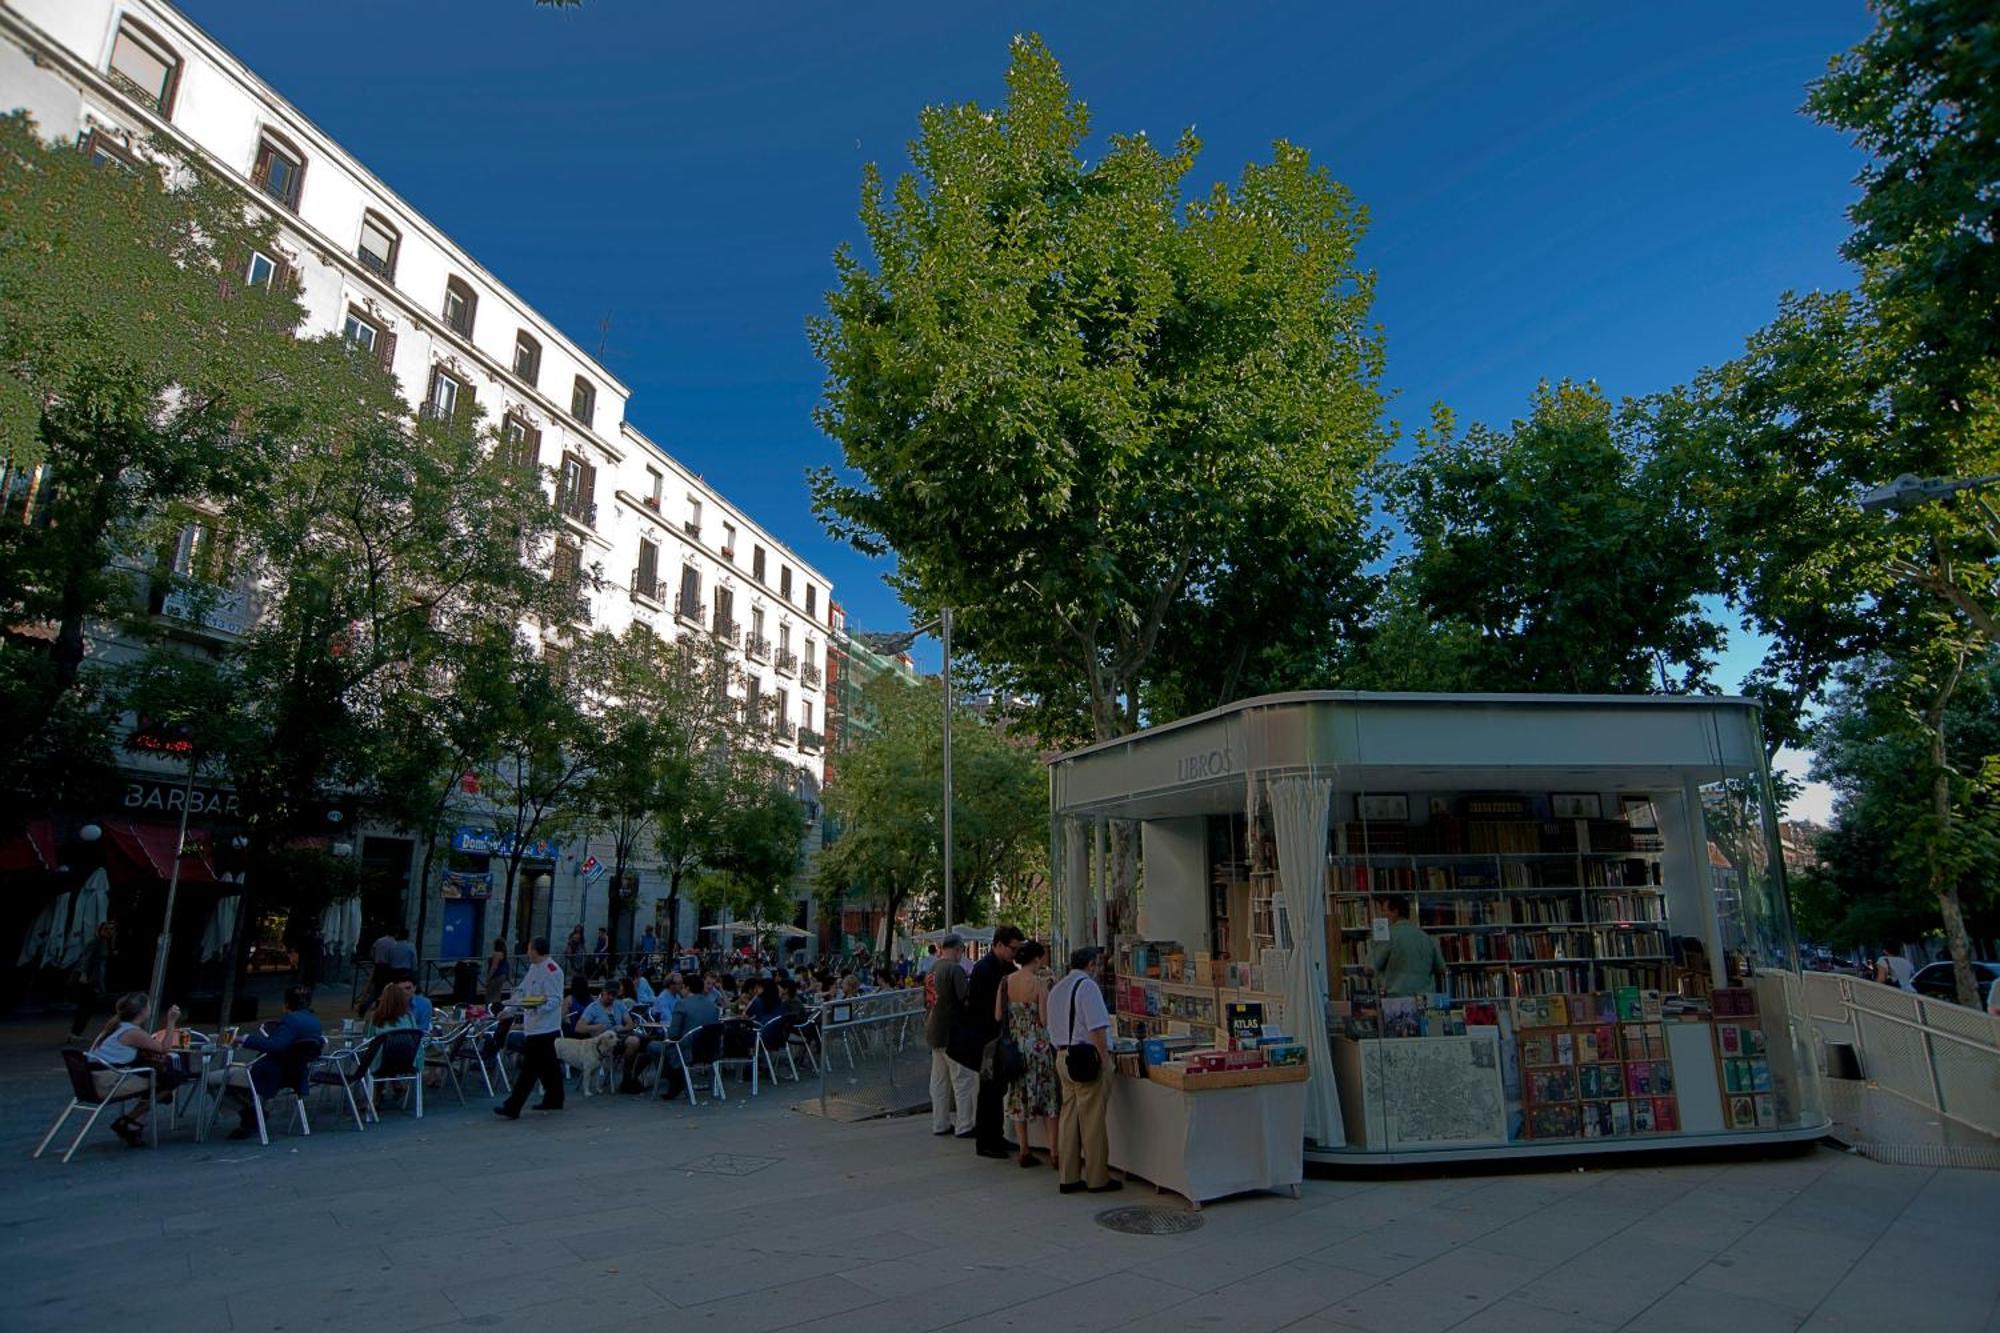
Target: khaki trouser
[
  {"x": 954, "y": 1094},
  {"x": 1084, "y": 1146}
]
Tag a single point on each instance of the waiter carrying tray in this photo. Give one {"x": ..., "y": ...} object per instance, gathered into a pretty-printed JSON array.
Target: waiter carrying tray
[{"x": 538, "y": 999}]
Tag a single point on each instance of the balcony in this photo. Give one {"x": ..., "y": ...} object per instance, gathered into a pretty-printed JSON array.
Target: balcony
[
  {"x": 788, "y": 662},
  {"x": 646, "y": 587},
  {"x": 811, "y": 741},
  {"x": 759, "y": 648},
  {"x": 729, "y": 553},
  {"x": 223, "y": 610},
  {"x": 810, "y": 675},
  {"x": 692, "y": 529},
  {"x": 689, "y": 609},
  {"x": 575, "y": 507},
  {"x": 651, "y": 502},
  {"x": 726, "y": 630}
]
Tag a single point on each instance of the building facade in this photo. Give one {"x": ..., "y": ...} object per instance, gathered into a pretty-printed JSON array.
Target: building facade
[{"x": 673, "y": 553}]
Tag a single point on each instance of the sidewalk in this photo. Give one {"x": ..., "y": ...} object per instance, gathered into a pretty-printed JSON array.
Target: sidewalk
[{"x": 622, "y": 1213}]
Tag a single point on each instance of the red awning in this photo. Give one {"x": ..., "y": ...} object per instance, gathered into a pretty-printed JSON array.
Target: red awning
[
  {"x": 150, "y": 849},
  {"x": 34, "y": 848}
]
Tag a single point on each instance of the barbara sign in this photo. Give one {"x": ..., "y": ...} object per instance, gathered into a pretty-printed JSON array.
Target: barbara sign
[{"x": 147, "y": 797}]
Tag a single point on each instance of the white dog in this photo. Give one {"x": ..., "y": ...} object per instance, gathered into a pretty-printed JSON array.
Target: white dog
[{"x": 586, "y": 1055}]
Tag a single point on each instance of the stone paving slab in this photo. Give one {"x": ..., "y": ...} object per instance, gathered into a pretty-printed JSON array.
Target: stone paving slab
[{"x": 627, "y": 1213}]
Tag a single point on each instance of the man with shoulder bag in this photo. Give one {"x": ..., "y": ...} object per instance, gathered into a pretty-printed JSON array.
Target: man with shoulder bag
[
  {"x": 954, "y": 1088},
  {"x": 1080, "y": 1027}
]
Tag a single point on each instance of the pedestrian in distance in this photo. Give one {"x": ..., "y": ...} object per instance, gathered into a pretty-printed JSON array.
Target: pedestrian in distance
[
  {"x": 979, "y": 1024},
  {"x": 538, "y": 998},
  {"x": 1080, "y": 1025},
  {"x": 496, "y": 973},
  {"x": 954, "y": 1088}
]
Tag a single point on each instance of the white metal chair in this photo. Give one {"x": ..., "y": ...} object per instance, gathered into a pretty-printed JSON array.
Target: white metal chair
[
  {"x": 340, "y": 1069},
  {"x": 700, "y": 1048},
  {"x": 395, "y": 1063},
  {"x": 295, "y": 1067},
  {"x": 84, "y": 1096}
]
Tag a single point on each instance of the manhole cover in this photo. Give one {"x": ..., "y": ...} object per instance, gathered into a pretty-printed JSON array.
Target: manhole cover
[
  {"x": 728, "y": 1164},
  {"x": 1150, "y": 1221}
]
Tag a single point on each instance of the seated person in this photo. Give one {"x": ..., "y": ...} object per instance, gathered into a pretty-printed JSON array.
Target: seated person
[
  {"x": 692, "y": 1012},
  {"x": 298, "y": 1023},
  {"x": 392, "y": 1014},
  {"x": 123, "y": 1043},
  {"x": 766, "y": 1006},
  {"x": 600, "y": 1015},
  {"x": 672, "y": 990},
  {"x": 642, "y": 988},
  {"x": 421, "y": 1008}
]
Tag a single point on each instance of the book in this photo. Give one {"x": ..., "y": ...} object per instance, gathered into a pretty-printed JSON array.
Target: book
[
  {"x": 1766, "y": 1112},
  {"x": 1565, "y": 1048},
  {"x": 1742, "y": 1112},
  {"x": 1642, "y": 1117},
  {"x": 1649, "y": 1005},
  {"x": 1399, "y": 1016},
  {"x": 1630, "y": 1008},
  {"x": 1736, "y": 1076},
  {"x": 1537, "y": 1050},
  {"x": 1663, "y": 1075},
  {"x": 1753, "y": 1041},
  {"x": 1760, "y": 1074},
  {"x": 1666, "y": 1114},
  {"x": 1639, "y": 1078},
  {"x": 1554, "y": 1122},
  {"x": 1597, "y": 1120},
  {"x": 1587, "y": 1050},
  {"x": 1545, "y": 1086},
  {"x": 1729, "y": 1039},
  {"x": 1621, "y": 1117}
]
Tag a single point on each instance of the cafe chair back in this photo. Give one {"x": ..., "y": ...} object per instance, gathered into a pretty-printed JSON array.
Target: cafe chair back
[
  {"x": 395, "y": 1062},
  {"x": 340, "y": 1069},
  {"x": 294, "y": 1065}
]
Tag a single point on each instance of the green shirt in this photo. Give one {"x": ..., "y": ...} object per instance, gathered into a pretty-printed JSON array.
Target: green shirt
[{"x": 1408, "y": 962}]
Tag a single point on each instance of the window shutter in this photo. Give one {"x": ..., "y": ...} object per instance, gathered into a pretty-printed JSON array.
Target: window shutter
[
  {"x": 262, "y": 170},
  {"x": 431, "y": 391},
  {"x": 467, "y": 407},
  {"x": 285, "y": 278},
  {"x": 531, "y": 445},
  {"x": 589, "y": 484},
  {"x": 385, "y": 350}
]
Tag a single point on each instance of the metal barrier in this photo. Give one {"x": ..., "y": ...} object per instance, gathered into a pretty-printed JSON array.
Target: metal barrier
[
  {"x": 1942, "y": 1056},
  {"x": 879, "y": 1039}
]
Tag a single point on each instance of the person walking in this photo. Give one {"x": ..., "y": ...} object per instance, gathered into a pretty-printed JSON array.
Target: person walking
[
  {"x": 87, "y": 982},
  {"x": 541, "y": 1023},
  {"x": 954, "y": 1088},
  {"x": 378, "y": 971},
  {"x": 978, "y": 1024},
  {"x": 1080, "y": 1026},
  {"x": 1024, "y": 998},
  {"x": 1892, "y": 969}
]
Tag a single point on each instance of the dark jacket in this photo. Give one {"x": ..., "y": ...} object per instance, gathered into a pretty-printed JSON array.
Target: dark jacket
[
  {"x": 294, "y": 1026},
  {"x": 976, "y": 1025},
  {"x": 691, "y": 1012},
  {"x": 949, "y": 983}
]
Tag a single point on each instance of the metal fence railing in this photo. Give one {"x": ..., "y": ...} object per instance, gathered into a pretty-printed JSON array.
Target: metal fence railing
[
  {"x": 873, "y": 1060},
  {"x": 1940, "y": 1055}
]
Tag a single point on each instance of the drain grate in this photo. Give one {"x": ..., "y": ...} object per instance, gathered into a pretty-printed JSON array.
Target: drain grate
[
  {"x": 1150, "y": 1221},
  {"x": 1967, "y": 1156}
]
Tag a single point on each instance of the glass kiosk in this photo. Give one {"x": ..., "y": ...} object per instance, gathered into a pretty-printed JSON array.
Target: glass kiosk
[{"x": 1614, "y": 963}]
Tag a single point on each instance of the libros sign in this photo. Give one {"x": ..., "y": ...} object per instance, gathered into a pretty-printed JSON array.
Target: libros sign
[{"x": 1205, "y": 764}]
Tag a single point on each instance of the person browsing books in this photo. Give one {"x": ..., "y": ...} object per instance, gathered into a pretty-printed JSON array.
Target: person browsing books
[{"x": 1407, "y": 961}]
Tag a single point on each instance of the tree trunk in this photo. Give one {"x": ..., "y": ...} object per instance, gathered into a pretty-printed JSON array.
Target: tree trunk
[
  {"x": 1943, "y": 882},
  {"x": 424, "y": 899},
  {"x": 673, "y": 941}
]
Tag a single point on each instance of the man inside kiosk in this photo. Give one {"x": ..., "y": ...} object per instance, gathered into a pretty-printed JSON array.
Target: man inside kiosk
[{"x": 1406, "y": 961}]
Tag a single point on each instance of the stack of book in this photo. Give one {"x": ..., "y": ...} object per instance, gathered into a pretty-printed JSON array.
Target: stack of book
[
  {"x": 1594, "y": 1065},
  {"x": 1744, "y": 1065}
]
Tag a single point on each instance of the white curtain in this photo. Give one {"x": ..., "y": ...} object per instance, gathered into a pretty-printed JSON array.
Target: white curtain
[{"x": 1300, "y": 810}]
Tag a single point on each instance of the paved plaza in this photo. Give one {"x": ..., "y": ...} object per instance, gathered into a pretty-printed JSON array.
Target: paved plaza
[{"x": 620, "y": 1213}]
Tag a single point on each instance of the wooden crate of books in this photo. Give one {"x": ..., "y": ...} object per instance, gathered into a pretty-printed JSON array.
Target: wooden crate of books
[{"x": 1180, "y": 1077}]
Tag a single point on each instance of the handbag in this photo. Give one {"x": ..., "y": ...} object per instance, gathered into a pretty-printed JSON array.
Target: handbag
[
  {"x": 1002, "y": 1061},
  {"x": 1081, "y": 1062}
]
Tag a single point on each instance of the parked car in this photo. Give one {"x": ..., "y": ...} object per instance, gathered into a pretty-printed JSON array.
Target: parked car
[{"x": 1935, "y": 980}]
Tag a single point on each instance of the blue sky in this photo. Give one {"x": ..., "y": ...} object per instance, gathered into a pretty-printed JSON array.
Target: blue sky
[{"x": 1608, "y": 192}]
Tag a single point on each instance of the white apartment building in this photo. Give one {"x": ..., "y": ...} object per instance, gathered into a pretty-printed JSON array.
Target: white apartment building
[{"x": 108, "y": 74}]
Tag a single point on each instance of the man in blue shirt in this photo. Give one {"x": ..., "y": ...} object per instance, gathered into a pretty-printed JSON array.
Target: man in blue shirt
[
  {"x": 421, "y": 1008},
  {"x": 296, "y": 1024},
  {"x": 693, "y": 1011},
  {"x": 649, "y": 943}
]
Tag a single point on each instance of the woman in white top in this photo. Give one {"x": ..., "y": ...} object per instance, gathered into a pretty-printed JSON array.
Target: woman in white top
[
  {"x": 125, "y": 1041},
  {"x": 1892, "y": 969}
]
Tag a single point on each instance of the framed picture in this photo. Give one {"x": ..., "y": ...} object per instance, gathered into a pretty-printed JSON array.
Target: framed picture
[
  {"x": 1639, "y": 813},
  {"x": 1575, "y": 805},
  {"x": 1382, "y": 809}
]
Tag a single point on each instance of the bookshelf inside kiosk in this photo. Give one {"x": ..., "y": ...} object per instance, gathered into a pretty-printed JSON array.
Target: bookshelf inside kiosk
[{"x": 1600, "y": 877}]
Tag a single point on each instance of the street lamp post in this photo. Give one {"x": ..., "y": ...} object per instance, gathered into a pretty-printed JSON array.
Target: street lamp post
[
  {"x": 173, "y": 888},
  {"x": 1909, "y": 492}
]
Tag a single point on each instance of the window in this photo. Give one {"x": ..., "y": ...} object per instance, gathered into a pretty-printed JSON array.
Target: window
[
  {"x": 441, "y": 403},
  {"x": 693, "y": 523},
  {"x": 359, "y": 332},
  {"x": 105, "y": 151},
  {"x": 146, "y": 67},
  {"x": 690, "y": 602},
  {"x": 194, "y": 551},
  {"x": 725, "y": 612},
  {"x": 377, "y": 250},
  {"x": 280, "y": 170},
  {"x": 527, "y": 357},
  {"x": 576, "y": 489},
  {"x": 757, "y": 563},
  {"x": 460, "y": 307},
  {"x": 654, "y": 481},
  {"x": 812, "y": 652},
  {"x": 783, "y": 710},
  {"x": 806, "y": 714},
  {"x": 729, "y": 541},
  {"x": 785, "y": 637},
  {"x": 753, "y": 697},
  {"x": 521, "y": 441},
  {"x": 785, "y": 582},
  {"x": 812, "y": 598},
  {"x": 262, "y": 269},
  {"x": 756, "y": 622},
  {"x": 583, "y": 400},
  {"x": 646, "y": 579}
]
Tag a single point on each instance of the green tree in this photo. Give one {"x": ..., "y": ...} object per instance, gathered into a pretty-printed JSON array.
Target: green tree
[
  {"x": 137, "y": 375},
  {"x": 759, "y": 846},
  {"x": 539, "y": 775},
  {"x": 1564, "y": 554},
  {"x": 706, "y": 737}
]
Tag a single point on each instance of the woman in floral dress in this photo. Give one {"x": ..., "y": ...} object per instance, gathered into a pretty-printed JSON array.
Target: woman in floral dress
[{"x": 1024, "y": 1001}]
